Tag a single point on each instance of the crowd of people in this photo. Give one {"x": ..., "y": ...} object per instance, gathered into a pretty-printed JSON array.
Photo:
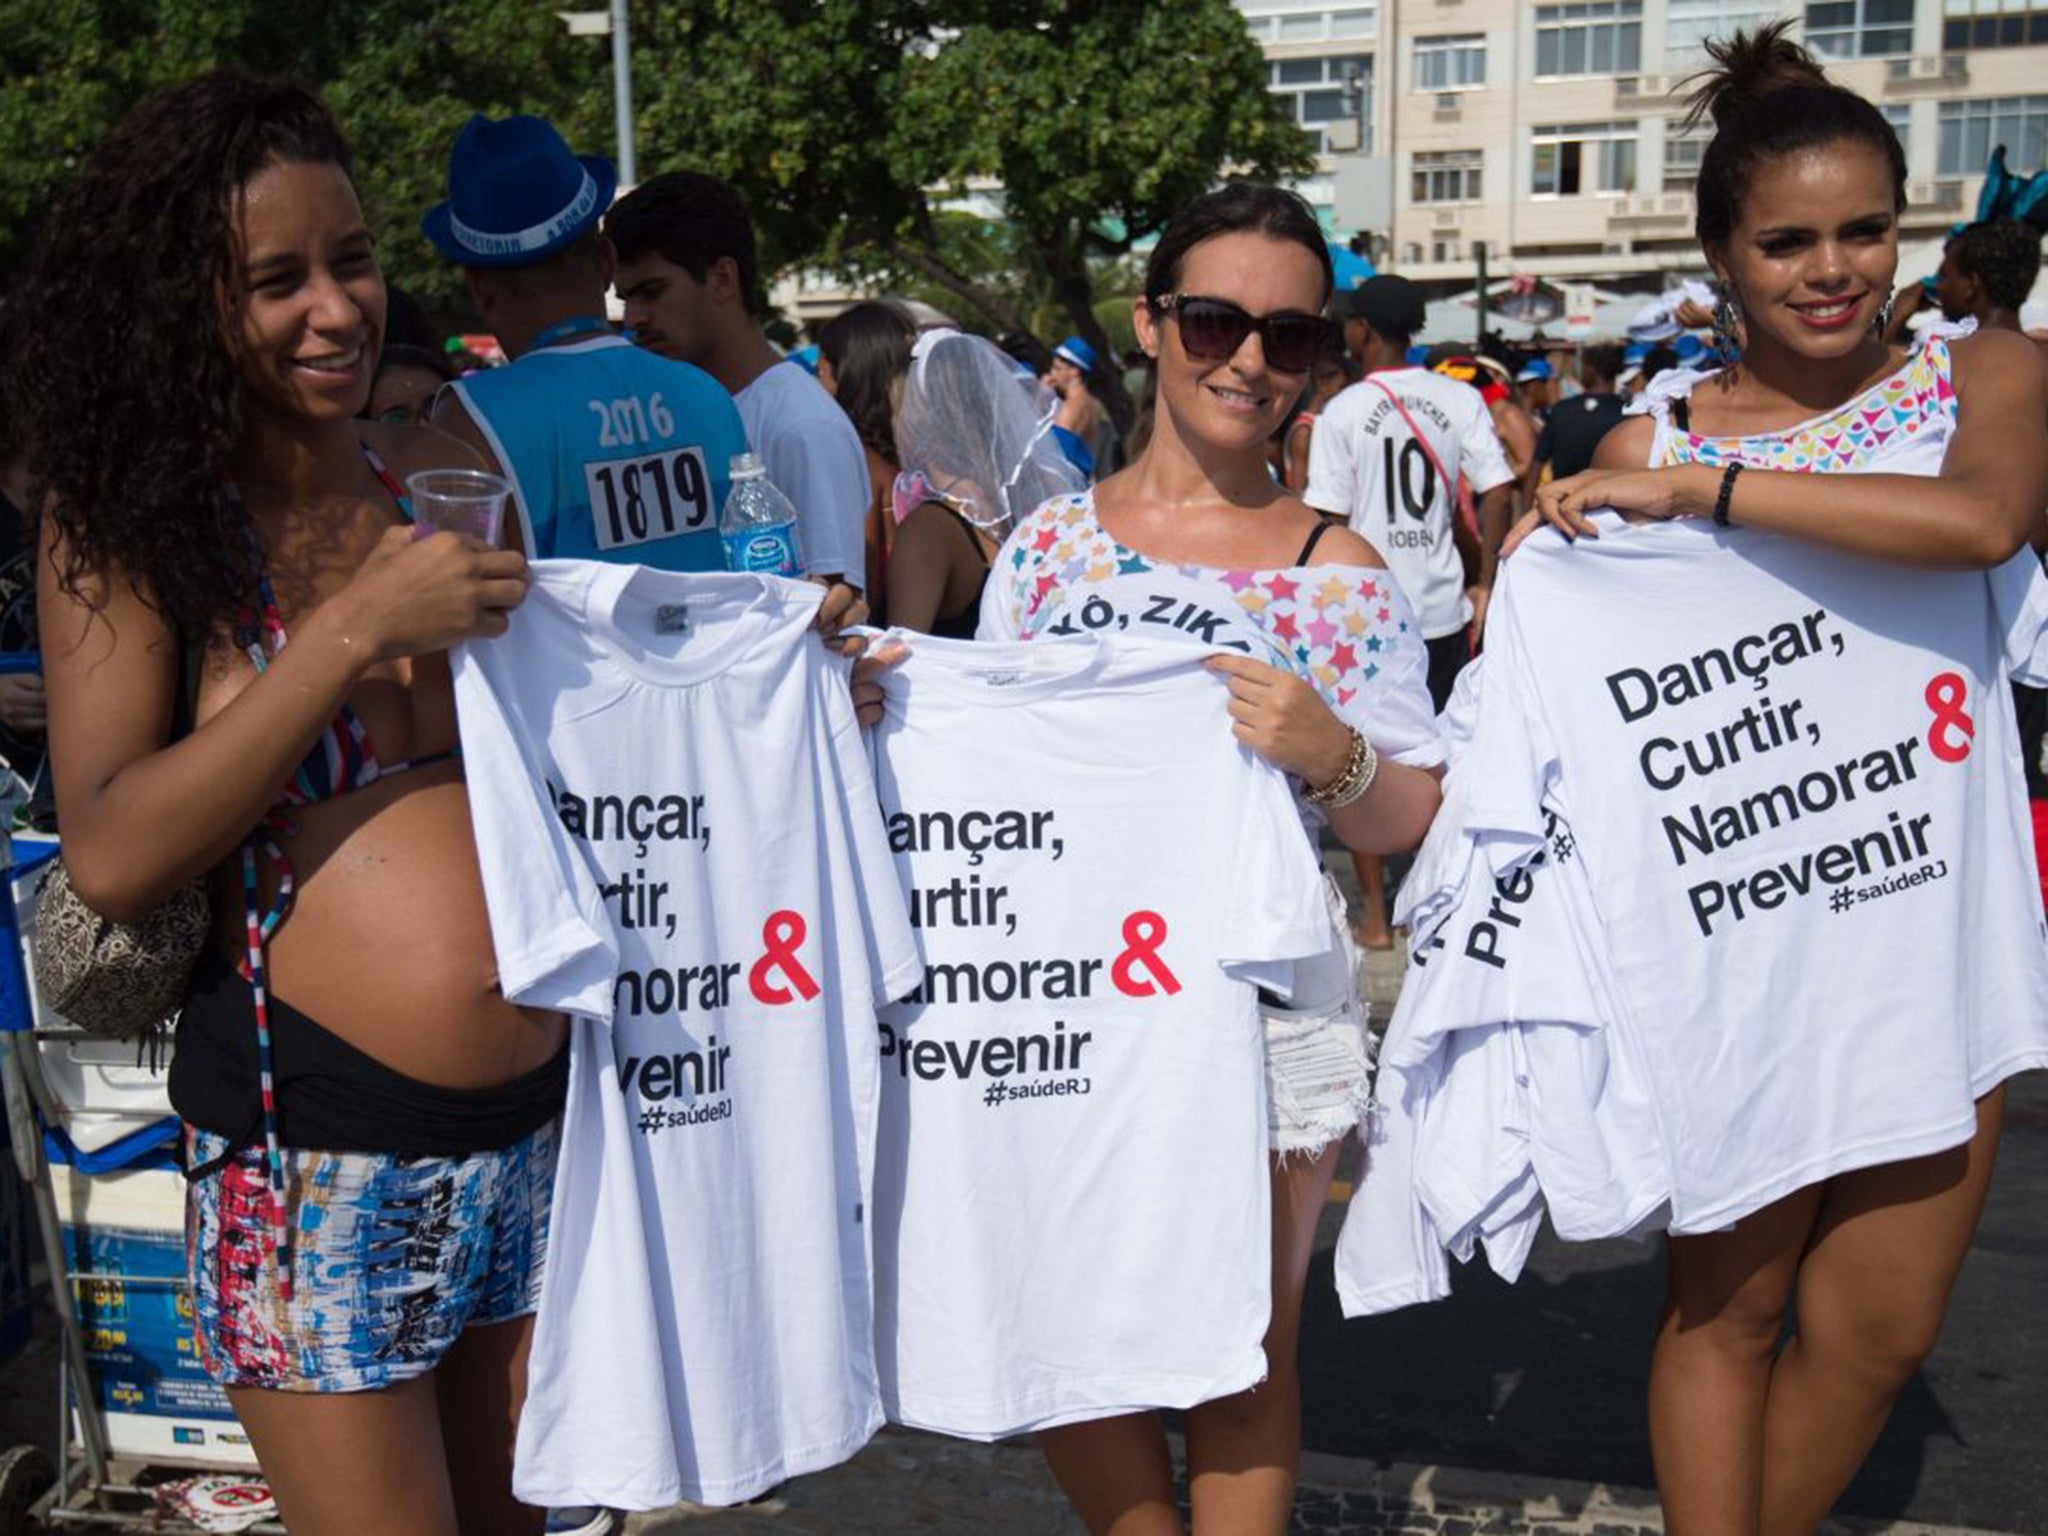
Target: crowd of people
[{"x": 373, "y": 1124}]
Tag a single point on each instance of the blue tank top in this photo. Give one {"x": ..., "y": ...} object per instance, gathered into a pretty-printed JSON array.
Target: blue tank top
[{"x": 614, "y": 452}]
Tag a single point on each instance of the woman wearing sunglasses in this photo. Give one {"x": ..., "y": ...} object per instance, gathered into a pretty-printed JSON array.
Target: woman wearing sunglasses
[{"x": 1326, "y": 673}]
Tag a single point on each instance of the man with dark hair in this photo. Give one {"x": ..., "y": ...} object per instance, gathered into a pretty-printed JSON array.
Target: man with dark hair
[
  {"x": 613, "y": 454},
  {"x": 1576, "y": 426},
  {"x": 1987, "y": 271},
  {"x": 691, "y": 281},
  {"x": 1387, "y": 456}
]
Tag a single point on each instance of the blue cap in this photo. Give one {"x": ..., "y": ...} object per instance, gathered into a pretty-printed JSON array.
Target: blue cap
[
  {"x": 1635, "y": 352},
  {"x": 1076, "y": 351},
  {"x": 805, "y": 358},
  {"x": 1535, "y": 371},
  {"x": 1418, "y": 355},
  {"x": 1688, "y": 348},
  {"x": 516, "y": 194}
]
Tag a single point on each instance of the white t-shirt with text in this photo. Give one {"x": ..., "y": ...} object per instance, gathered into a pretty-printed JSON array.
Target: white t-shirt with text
[
  {"x": 1072, "y": 1193},
  {"x": 1345, "y": 630},
  {"x": 681, "y": 848},
  {"x": 1796, "y": 794}
]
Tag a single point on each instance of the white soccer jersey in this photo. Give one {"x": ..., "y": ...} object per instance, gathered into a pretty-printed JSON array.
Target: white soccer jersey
[
  {"x": 1072, "y": 1194},
  {"x": 1797, "y": 799},
  {"x": 681, "y": 848},
  {"x": 1374, "y": 459}
]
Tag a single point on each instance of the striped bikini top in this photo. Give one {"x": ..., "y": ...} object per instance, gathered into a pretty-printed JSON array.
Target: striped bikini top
[{"x": 344, "y": 758}]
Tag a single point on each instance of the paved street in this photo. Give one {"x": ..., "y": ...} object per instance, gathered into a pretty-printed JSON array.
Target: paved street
[{"x": 1501, "y": 1412}]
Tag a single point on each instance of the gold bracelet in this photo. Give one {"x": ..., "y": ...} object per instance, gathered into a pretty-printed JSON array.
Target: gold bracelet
[{"x": 1360, "y": 770}]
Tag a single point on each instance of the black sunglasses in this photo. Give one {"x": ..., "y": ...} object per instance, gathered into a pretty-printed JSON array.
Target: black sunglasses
[{"x": 1213, "y": 329}]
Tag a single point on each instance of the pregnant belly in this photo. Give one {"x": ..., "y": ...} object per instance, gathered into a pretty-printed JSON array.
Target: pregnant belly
[{"x": 389, "y": 944}]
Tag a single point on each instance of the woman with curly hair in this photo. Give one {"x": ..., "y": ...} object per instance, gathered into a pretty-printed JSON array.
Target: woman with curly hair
[{"x": 370, "y": 1126}]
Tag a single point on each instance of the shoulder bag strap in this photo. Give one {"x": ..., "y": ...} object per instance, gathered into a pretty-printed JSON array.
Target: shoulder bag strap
[{"x": 1420, "y": 436}]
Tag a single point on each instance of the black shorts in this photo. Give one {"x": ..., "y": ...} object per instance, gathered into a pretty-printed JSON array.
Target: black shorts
[{"x": 1447, "y": 658}]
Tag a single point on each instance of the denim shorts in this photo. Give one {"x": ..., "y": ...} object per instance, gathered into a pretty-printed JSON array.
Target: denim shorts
[
  {"x": 1318, "y": 1054},
  {"x": 392, "y": 1258}
]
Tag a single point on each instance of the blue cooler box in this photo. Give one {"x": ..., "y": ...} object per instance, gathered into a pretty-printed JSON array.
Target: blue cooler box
[{"x": 124, "y": 1247}]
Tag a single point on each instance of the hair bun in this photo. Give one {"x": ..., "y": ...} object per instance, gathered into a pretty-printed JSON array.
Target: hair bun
[{"x": 1750, "y": 66}]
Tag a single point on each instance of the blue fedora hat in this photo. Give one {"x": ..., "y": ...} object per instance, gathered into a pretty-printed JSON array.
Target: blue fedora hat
[
  {"x": 1077, "y": 352},
  {"x": 516, "y": 194}
]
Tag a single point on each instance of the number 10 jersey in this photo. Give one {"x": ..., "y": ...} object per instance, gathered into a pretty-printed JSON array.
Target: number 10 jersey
[{"x": 1398, "y": 489}]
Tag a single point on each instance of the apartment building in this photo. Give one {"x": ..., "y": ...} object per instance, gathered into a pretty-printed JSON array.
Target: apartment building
[{"x": 1550, "y": 132}]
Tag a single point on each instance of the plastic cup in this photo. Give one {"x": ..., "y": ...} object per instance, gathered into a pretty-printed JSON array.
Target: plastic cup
[{"x": 459, "y": 501}]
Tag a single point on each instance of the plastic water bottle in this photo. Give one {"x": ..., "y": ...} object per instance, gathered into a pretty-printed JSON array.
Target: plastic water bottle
[{"x": 757, "y": 524}]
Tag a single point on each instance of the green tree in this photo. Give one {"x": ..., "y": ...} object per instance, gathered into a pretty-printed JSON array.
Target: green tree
[
  {"x": 402, "y": 76},
  {"x": 851, "y": 125}
]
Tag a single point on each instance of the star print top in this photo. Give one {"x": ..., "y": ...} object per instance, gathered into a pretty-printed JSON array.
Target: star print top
[{"x": 1346, "y": 630}]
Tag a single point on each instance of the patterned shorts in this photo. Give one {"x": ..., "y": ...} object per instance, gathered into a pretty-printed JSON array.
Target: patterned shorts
[{"x": 392, "y": 1257}]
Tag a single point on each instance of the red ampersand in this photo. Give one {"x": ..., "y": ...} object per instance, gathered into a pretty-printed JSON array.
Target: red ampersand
[
  {"x": 781, "y": 936},
  {"x": 1144, "y": 932},
  {"x": 1946, "y": 696}
]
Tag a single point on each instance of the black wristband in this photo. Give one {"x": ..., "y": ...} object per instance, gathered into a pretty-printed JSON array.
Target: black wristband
[{"x": 1721, "y": 518}]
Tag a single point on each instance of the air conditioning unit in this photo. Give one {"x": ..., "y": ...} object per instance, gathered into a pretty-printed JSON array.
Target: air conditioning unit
[
  {"x": 1341, "y": 135},
  {"x": 1643, "y": 87},
  {"x": 1448, "y": 218},
  {"x": 1939, "y": 193},
  {"x": 1449, "y": 105},
  {"x": 1928, "y": 69}
]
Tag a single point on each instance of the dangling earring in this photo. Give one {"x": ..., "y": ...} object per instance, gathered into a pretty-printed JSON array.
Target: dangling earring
[
  {"x": 1727, "y": 338},
  {"x": 1884, "y": 315}
]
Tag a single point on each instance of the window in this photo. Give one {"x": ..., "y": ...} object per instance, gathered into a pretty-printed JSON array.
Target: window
[
  {"x": 1318, "y": 90},
  {"x": 1900, "y": 115},
  {"x": 1993, "y": 23},
  {"x": 1456, "y": 63},
  {"x": 1860, "y": 29},
  {"x": 1447, "y": 176},
  {"x": 1599, "y": 37},
  {"x": 1971, "y": 129},
  {"x": 1689, "y": 23},
  {"x": 1356, "y": 19},
  {"x": 1583, "y": 157},
  {"x": 1682, "y": 158}
]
